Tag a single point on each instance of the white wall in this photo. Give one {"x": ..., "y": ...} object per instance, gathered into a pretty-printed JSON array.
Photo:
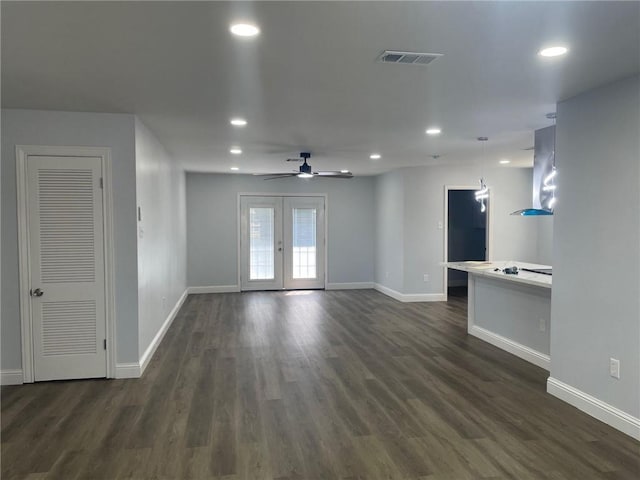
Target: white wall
[
  {"x": 33, "y": 127},
  {"x": 419, "y": 240},
  {"x": 212, "y": 225},
  {"x": 160, "y": 191},
  {"x": 596, "y": 286}
]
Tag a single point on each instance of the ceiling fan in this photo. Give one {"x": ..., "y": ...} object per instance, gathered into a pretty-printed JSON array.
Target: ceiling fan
[{"x": 305, "y": 170}]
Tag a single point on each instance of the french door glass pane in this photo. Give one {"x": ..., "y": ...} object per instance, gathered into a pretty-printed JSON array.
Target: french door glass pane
[
  {"x": 304, "y": 243},
  {"x": 261, "y": 247}
]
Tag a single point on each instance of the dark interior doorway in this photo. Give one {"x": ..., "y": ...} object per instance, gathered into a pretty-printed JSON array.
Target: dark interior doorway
[{"x": 467, "y": 236}]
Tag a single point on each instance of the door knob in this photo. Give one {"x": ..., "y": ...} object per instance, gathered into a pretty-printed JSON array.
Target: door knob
[
  {"x": 36, "y": 293},
  {"x": 280, "y": 249}
]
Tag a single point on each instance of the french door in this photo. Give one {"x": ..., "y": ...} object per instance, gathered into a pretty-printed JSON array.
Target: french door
[{"x": 282, "y": 244}]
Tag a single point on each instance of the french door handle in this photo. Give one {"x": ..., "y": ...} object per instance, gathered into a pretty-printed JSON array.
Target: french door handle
[{"x": 36, "y": 293}]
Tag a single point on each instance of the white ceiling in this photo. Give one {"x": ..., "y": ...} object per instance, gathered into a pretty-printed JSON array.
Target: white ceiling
[{"x": 310, "y": 80}]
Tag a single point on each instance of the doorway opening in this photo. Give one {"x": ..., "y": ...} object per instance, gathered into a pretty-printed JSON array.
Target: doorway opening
[
  {"x": 282, "y": 242},
  {"x": 466, "y": 235}
]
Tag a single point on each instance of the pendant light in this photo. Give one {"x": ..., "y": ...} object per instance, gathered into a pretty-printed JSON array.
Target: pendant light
[{"x": 482, "y": 194}]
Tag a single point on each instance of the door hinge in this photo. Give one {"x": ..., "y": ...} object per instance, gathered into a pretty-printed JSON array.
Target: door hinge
[
  {"x": 101, "y": 183},
  {"x": 104, "y": 343}
]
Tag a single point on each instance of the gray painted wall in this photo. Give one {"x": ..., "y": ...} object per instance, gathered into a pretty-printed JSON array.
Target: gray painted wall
[
  {"x": 160, "y": 191},
  {"x": 417, "y": 240},
  {"x": 545, "y": 239},
  {"x": 389, "y": 263},
  {"x": 596, "y": 278},
  {"x": 514, "y": 311},
  {"x": 212, "y": 225},
  {"x": 34, "y": 127}
]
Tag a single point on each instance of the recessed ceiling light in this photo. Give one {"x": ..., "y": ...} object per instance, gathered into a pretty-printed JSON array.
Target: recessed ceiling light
[
  {"x": 505, "y": 161},
  {"x": 235, "y": 150},
  {"x": 375, "y": 156},
  {"x": 244, "y": 30},
  {"x": 433, "y": 131},
  {"x": 553, "y": 51},
  {"x": 344, "y": 171},
  {"x": 238, "y": 122},
  {"x": 235, "y": 169}
]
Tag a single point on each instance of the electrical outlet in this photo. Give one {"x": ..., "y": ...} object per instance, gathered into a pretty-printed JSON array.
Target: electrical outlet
[
  {"x": 543, "y": 325},
  {"x": 614, "y": 368},
  {"x": 386, "y": 275},
  {"x": 164, "y": 304},
  {"x": 426, "y": 277},
  {"x": 440, "y": 226}
]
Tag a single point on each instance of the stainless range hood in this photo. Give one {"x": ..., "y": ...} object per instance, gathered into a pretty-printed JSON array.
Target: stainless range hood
[{"x": 543, "y": 173}]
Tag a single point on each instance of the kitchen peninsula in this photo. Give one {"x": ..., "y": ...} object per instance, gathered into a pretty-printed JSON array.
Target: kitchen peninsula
[{"x": 510, "y": 311}]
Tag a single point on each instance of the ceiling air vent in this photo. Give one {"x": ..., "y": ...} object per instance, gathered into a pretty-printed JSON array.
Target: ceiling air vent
[{"x": 408, "y": 58}]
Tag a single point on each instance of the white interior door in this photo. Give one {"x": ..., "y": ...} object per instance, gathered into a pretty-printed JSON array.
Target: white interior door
[
  {"x": 303, "y": 242},
  {"x": 66, "y": 267},
  {"x": 261, "y": 243},
  {"x": 282, "y": 242}
]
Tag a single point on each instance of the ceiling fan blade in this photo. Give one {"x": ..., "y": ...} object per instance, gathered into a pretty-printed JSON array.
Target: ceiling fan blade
[
  {"x": 280, "y": 174},
  {"x": 294, "y": 159},
  {"x": 270, "y": 176},
  {"x": 334, "y": 174}
]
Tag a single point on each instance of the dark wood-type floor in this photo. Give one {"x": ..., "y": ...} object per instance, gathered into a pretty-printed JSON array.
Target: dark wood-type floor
[{"x": 314, "y": 385}]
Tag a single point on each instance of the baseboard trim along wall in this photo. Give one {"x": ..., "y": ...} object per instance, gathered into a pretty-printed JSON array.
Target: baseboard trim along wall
[
  {"x": 128, "y": 370},
  {"x": 151, "y": 349},
  {"x": 135, "y": 370},
  {"x": 214, "y": 289},
  {"x": 11, "y": 377},
  {"x": 526, "y": 353},
  {"x": 410, "y": 297},
  {"x": 349, "y": 286},
  {"x": 604, "y": 412}
]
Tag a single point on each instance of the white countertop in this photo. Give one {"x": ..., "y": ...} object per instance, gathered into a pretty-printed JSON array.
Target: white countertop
[{"x": 487, "y": 269}]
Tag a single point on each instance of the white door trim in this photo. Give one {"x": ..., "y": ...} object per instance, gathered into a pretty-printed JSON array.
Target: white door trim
[
  {"x": 445, "y": 221},
  {"x": 271, "y": 194},
  {"x": 104, "y": 153}
]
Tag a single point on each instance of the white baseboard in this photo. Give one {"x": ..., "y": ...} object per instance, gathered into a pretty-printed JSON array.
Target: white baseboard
[
  {"x": 530, "y": 355},
  {"x": 151, "y": 349},
  {"x": 123, "y": 370},
  {"x": 604, "y": 412},
  {"x": 11, "y": 377},
  {"x": 349, "y": 286},
  {"x": 214, "y": 289},
  {"x": 410, "y": 297},
  {"x": 128, "y": 370}
]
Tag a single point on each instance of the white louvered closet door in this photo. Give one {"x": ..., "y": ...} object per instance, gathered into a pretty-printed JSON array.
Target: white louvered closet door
[{"x": 67, "y": 267}]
